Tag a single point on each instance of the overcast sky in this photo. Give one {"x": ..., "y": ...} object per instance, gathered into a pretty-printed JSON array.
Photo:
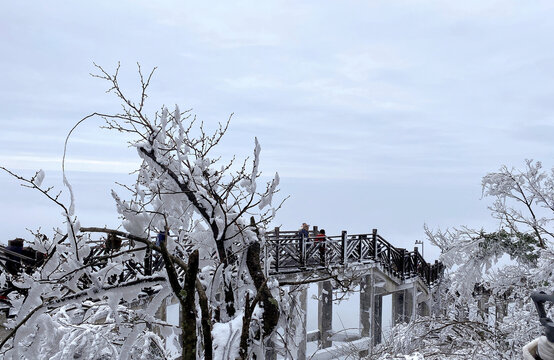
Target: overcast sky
[{"x": 375, "y": 113}]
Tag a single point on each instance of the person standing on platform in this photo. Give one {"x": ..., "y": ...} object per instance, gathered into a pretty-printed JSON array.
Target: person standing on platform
[
  {"x": 303, "y": 233},
  {"x": 320, "y": 240}
]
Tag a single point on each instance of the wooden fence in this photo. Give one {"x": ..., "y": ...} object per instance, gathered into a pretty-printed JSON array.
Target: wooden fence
[{"x": 290, "y": 252}]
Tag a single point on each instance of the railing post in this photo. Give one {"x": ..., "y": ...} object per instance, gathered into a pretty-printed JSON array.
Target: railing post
[
  {"x": 360, "y": 248},
  {"x": 403, "y": 264},
  {"x": 266, "y": 261},
  {"x": 389, "y": 258},
  {"x": 428, "y": 273},
  {"x": 302, "y": 251},
  {"x": 344, "y": 254},
  {"x": 416, "y": 260},
  {"x": 315, "y": 244},
  {"x": 374, "y": 243},
  {"x": 277, "y": 249},
  {"x": 148, "y": 262}
]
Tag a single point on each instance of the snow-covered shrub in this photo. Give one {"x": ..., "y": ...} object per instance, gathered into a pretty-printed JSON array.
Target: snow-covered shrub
[{"x": 485, "y": 307}]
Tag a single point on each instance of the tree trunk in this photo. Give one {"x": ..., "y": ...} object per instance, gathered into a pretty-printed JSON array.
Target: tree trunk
[{"x": 188, "y": 308}]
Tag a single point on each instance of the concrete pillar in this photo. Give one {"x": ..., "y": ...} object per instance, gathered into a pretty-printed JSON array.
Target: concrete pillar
[
  {"x": 325, "y": 312},
  {"x": 483, "y": 307},
  {"x": 304, "y": 312},
  {"x": 161, "y": 314},
  {"x": 296, "y": 332},
  {"x": 423, "y": 309},
  {"x": 501, "y": 310},
  {"x": 414, "y": 302},
  {"x": 366, "y": 297},
  {"x": 270, "y": 353},
  {"x": 402, "y": 306},
  {"x": 398, "y": 310},
  {"x": 367, "y": 304},
  {"x": 377, "y": 323},
  {"x": 463, "y": 313}
]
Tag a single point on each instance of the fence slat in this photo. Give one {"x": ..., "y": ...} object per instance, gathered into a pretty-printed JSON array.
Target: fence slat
[{"x": 344, "y": 243}]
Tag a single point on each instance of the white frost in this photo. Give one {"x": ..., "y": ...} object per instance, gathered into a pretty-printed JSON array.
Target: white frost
[
  {"x": 39, "y": 177},
  {"x": 226, "y": 338}
]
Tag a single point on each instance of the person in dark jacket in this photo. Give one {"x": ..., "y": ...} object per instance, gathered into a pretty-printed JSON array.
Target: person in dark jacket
[
  {"x": 303, "y": 232},
  {"x": 320, "y": 240},
  {"x": 13, "y": 263},
  {"x": 160, "y": 238}
]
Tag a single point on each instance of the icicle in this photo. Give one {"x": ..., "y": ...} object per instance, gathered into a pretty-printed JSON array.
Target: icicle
[
  {"x": 269, "y": 196},
  {"x": 249, "y": 184},
  {"x": 72, "y": 197},
  {"x": 163, "y": 119},
  {"x": 39, "y": 177}
]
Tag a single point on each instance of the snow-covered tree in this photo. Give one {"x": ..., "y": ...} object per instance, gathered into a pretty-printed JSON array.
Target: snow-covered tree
[
  {"x": 485, "y": 310},
  {"x": 202, "y": 219}
]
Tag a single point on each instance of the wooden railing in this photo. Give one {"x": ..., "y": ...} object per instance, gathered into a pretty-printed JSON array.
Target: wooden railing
[
  {"x": 290, "y": 252},
  {"x": 286, "y": 251}
]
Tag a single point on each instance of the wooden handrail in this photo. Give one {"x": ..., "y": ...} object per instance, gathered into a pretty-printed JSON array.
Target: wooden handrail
[{"x": 345, "y": 248}]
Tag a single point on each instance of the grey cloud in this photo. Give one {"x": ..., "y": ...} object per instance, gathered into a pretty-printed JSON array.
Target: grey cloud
[{"x": 370, "y": 85}]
